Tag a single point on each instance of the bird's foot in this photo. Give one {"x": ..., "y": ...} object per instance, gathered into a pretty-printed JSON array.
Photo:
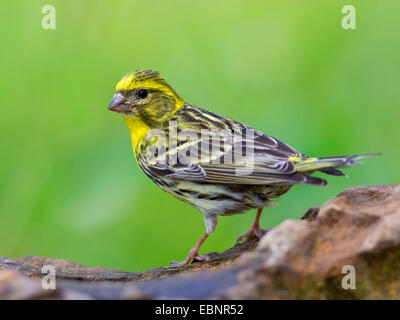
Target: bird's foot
[
  {"x": 192, "y": 257},
  {"x": 253, "y": 232}
]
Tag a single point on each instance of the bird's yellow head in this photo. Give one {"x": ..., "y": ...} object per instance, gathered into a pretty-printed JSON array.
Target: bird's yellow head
[{"x": 144, "y": 95}]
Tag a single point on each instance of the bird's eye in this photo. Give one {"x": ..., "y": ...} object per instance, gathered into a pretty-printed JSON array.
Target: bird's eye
[{"x": 142, "y": 93}]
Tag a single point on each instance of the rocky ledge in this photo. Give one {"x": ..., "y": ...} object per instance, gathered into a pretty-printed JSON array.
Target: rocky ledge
[{"x": 349, "y": 248}]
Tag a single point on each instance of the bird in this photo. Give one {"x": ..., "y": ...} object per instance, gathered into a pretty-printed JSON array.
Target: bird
[{"x": 218, "y": 165}]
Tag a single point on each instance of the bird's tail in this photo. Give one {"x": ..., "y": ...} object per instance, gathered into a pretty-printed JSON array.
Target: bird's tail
[{"x": 328, "y": 165}]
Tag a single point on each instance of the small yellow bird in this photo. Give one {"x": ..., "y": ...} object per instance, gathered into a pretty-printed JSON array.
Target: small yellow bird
[{"x": 216, "y": 164}]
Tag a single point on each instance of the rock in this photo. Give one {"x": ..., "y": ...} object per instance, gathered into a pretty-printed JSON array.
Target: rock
[
  {"x": 306, "y": 259},
  {"x": 14, "y": 286},
  {"x": 346, "y": 249}
]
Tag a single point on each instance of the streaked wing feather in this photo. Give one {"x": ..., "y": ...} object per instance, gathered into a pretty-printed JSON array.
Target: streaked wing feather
[
  {"x": 193, "y": 172},
  {"x": 270, "y": 166}
]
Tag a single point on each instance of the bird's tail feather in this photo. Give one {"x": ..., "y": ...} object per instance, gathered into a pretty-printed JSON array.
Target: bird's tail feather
[{"x": 329, "y": 164}]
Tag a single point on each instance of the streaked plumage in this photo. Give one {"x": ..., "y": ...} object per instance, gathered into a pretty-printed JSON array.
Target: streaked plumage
[{"x": 215, "y": 180}]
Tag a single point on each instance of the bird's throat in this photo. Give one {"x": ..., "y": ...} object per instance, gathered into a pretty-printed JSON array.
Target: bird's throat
[{"x": 138, "y": 130}]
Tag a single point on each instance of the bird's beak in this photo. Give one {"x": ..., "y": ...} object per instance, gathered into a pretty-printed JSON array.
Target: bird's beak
[{"x": 117, "y": 104}]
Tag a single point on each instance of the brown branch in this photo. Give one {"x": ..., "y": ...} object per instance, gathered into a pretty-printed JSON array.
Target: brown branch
[{"x": 297, "y": 259}]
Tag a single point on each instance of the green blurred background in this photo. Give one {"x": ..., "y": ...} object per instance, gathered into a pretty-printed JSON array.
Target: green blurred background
[{"x": 69, "y": 185}]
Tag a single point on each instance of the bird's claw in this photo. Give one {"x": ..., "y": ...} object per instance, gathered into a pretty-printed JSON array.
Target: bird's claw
[
  {"x": 191, "y": 258},
  {"x": 257, "y": 232}
]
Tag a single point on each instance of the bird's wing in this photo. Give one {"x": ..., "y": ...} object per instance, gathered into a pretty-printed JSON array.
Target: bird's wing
[
  {"x": 247, "y": 157},
  {"x": 193, "y": 172}
]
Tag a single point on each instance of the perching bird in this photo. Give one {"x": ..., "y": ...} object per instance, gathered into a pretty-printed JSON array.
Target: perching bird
[{"x": 216, "y": 164}]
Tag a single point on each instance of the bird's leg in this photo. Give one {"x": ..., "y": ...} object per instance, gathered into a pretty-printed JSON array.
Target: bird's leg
[
  {"x": 193, "y": 254},
  {"x": 255, "y": 229}
]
